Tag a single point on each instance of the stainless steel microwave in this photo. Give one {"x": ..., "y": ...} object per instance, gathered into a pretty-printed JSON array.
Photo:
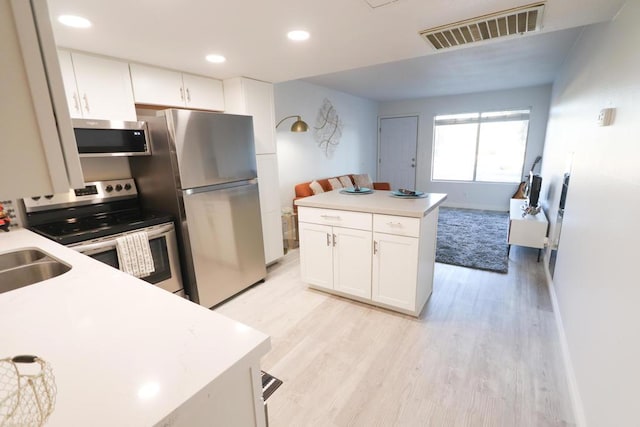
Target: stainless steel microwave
[{"x": 104, "y": 138}]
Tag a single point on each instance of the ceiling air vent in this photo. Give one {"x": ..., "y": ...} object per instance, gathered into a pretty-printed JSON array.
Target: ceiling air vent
[{"x": 509, "y": 22}]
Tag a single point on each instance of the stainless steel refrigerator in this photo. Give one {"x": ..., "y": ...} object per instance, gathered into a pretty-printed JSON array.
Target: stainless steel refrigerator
[{"x": 203, "y": 170}]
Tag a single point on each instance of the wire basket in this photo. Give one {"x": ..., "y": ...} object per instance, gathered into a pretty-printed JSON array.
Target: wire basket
[{"x": 27, "y": 391}]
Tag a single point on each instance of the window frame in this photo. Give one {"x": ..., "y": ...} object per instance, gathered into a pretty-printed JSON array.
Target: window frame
[{"x": 525, "y": 113}]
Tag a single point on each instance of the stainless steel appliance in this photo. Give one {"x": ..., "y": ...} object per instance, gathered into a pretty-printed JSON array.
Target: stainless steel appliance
[
  {"x": 203, "y": 171},
  {"x": 90, "y": 219},
  {"x": 106, "y": 138}
]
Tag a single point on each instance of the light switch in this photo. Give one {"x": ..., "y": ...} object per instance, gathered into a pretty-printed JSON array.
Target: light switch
[{"x": 605, "y": 118}]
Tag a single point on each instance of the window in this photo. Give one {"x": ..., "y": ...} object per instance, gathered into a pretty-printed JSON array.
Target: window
[{"x": 484, "y": 146}]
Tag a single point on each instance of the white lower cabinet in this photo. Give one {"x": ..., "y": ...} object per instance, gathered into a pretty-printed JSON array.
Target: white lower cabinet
[
  {"x": 336, "y": 258},
  {"x": 384, "y": 260},
  {"x": 395, "y": 268},
  {"x": 352, "y": 262},
  {"x": 316, "y": 260}
]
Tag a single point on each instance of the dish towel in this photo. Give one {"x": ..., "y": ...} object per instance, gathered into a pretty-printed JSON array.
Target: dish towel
[{"x": 134, "y": 254}]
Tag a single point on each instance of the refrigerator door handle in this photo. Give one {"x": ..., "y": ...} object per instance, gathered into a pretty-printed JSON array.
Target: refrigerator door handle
[{"x": 215, "y": 187}]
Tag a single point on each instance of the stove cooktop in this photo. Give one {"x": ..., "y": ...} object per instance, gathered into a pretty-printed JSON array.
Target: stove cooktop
[{"x": 78, "y": 229}]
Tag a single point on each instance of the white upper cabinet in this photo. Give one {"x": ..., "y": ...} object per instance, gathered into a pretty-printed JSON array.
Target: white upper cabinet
[
  {"x": 157, "y": 86},
  {"x": 254, "y": 98},
  {"x": 203, "y": 93},
  {"x": 97, "y": 88},
  {"x": 39, "y": 153}
]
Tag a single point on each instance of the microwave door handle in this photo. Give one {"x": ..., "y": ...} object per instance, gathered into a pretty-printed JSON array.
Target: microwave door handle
[{"x": 111, "y": 243}]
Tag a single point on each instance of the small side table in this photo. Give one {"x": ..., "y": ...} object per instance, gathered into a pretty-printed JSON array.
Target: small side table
[
  {"x": 290, "y": 230},
  {"x": 530, "y": 230}
]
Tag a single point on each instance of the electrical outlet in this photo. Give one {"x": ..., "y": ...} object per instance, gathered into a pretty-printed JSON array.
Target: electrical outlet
[{"x": 605, "y": 118}]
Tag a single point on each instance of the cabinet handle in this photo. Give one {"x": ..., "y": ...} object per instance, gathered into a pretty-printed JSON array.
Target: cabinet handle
[
  {"x": 188, "y": 95},
  {"x": 76, "y": 102},
  {"x": 328, "y": 239},
  {"x": 375, "y": 247},
  {"x": 330, "y": 216},
  {"x": 182, "y": 94},
  {"x": 334, "y": 240},
  {"x": 86, "y": 103},
  {"x": 394, "y": 224}
]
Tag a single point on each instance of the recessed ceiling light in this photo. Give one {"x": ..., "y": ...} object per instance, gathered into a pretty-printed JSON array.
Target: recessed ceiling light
[
  {"x": 298, "y": 35},
  {"x": 216, "y": 59},
  {"x": 74, "y": 21}
]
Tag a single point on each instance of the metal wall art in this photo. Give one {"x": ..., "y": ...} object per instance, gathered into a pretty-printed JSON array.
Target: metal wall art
[{"x": 328, "y": 128}]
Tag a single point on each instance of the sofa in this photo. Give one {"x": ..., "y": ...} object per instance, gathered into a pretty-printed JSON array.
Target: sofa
[{"x": 304, "y": 189}]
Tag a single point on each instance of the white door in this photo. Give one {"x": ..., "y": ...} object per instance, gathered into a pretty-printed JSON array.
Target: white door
[
  {"x": 156, "y": 86},
  {"x": 352, "y": 262},
  {"x": 104, "y": 87},
  {"x": 269, "y": 189},
  {"x": 395, "y": 270},
  {"x": 397, "y": 151},
  {"x": 203, "y": 93},
  {"x": 316, "y": 255},
  {"x": 69, "y": 82},
  {"x": 259, "y": 104}
]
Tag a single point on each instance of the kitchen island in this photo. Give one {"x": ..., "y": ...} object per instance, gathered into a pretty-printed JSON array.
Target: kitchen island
[
  {"x": 124, "y": 352},
  {"x": 373, "y": 248}
]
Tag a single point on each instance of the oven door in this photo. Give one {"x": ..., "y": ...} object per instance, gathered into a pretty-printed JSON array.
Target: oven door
[{"x": 164, "y": 250}]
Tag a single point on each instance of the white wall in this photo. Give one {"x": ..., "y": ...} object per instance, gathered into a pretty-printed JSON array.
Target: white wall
[
  {"x": 494, "y": 196},
  {"x": 596, "y": 282},
  {"x": 105, "y": 168},
  {"x": 299, "y": 157}
]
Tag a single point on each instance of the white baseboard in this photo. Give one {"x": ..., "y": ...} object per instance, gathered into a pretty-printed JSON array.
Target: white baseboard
[{"x": 574, "y": 393}]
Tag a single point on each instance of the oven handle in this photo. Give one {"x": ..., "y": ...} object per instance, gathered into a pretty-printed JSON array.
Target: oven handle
[{"x": 112, "y": 242}]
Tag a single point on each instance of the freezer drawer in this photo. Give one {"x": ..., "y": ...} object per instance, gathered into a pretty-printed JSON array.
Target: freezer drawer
[{"x": 225, "y": 235}]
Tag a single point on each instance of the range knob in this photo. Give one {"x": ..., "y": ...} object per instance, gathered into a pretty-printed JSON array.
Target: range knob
[
  {"x": 48, "y": 196},
  {"x": 118, "y": 187},
  {"x": 127, "y": 186},
  {"x": 36, "y": 198},
  {"x": 108, "y": 188}
]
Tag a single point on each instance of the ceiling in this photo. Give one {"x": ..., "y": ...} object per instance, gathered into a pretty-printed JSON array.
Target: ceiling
[{"x": 346, "y": 35}]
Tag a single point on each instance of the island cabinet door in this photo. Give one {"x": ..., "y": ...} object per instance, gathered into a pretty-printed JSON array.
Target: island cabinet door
[
  {"x": 352, "y": 261},
  {"x": 316, "y": 254},
  {"x": 395, "y": 270}
]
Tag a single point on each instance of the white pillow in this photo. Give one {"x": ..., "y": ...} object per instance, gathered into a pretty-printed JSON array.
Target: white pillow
[
  {"x": 335, "y": 183},
  {"x": 316, "y": 187},
  {"x": 363, "y": 180},
  {"x": 345, "y": 181}
]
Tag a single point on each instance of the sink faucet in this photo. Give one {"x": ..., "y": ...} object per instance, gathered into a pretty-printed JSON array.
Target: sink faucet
[{"x": 5, "y": 221}]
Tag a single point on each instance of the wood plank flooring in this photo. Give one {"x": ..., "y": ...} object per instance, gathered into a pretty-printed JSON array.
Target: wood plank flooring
[{"x": 484, "y": 352}]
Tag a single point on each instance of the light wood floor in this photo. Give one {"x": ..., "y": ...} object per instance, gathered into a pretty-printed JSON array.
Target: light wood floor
[{"x": 484, "y": 352}]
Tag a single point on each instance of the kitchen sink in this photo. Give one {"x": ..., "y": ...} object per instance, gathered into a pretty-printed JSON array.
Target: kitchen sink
[
  {"x": 20, "y": 257},
  {"x": 28, "y": 266}
]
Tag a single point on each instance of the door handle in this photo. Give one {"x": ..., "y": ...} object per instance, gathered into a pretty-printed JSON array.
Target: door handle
[
  {"x": 76, "y": 102},
  {"x": 336, "y": 217},
  {"x": 86, "y": 103}
]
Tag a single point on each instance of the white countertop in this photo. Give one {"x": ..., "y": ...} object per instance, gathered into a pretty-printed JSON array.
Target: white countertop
[
  {"x": 123, "y": 352},
  {"x": 380, "y": 202}
]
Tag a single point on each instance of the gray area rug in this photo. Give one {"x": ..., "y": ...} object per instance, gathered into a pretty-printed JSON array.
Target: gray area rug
[{"x": 473, "y": 238}]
